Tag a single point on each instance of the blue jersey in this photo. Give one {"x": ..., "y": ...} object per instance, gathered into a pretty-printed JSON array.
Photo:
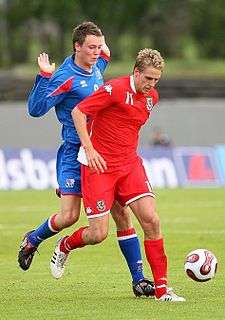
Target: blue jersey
[{"x": 69, "y": 85}]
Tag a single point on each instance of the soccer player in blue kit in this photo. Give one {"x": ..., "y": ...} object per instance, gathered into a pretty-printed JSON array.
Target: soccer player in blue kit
[{"x": 78, "y": 77}]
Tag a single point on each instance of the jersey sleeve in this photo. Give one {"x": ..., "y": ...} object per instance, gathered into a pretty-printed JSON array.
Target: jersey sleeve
[
  {"x": 47, "y": 92},
  {"x": 102, "y": 62},
  {"x": 101, "y": 99}
]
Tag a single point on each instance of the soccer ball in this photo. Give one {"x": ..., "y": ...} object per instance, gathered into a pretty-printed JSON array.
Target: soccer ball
[{"x": 200, "y": 265}]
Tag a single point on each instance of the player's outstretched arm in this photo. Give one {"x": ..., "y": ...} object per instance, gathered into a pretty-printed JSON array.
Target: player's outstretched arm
[{"x": 44, "y": 63}]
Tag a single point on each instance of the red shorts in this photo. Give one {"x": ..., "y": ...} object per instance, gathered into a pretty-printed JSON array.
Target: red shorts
[{"x": 122, "y": 183}]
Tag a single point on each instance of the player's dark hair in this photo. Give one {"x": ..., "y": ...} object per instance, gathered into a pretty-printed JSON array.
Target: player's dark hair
[{"x": 84, "y": 29}]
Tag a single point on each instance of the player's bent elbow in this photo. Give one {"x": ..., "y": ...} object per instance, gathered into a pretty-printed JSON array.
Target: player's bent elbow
[
  {"x": 37, "y": 108},
  {"x": 32, "y": 110},
  {"x": 32, "y": 114}
]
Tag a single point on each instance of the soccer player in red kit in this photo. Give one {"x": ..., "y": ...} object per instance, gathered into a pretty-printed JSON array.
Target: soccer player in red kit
[{"x": 112, "y": 170}]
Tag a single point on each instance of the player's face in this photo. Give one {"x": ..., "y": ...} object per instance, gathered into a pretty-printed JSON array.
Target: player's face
[
  {"x": 88, "y": 53},
  {"x": 146, "y": 79}
]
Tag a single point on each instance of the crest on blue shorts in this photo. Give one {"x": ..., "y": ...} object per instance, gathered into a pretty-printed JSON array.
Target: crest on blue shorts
[{"x": 70, "y": 183}]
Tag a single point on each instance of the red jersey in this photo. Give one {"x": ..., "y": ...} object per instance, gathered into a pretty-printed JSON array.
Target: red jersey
[{"x": 118, "y": 112}]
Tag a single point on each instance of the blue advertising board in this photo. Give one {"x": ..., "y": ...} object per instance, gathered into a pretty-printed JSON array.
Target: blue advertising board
[{"x": 166, "y": 167}]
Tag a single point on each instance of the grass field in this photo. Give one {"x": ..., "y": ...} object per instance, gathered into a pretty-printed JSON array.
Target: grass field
[{"x": 96, "y": 284}]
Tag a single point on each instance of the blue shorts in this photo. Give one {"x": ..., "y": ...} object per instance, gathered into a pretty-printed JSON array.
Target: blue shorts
[{"x": 68, "y": 169}]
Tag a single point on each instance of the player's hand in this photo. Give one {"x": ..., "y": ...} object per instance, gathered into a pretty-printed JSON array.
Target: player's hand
[
  {"x": 44, "y": 63},
  {"x": 95, "y": 160},
  {"x": 105, "y": 48}
]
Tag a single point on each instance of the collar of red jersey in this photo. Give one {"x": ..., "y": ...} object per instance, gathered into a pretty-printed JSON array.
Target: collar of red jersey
[{"x": 132, "y": 84}]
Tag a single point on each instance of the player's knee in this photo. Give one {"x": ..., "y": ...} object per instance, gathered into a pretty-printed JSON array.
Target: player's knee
[
  {"x": 122, "y": 218},
  {"x": 124, "y": 214},
  {"x": 151, "y": 226},
  {"x": 152, "y": 220},
  {"x": 123, "y": 223}
]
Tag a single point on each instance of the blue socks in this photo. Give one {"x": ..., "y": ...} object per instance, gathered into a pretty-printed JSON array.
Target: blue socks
[
  {"x": 43, "y": 232},
  {"x": 130, "y": 247}
]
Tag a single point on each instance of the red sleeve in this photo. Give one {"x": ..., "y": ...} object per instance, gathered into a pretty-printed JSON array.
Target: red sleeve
[
  {"x": 104, "y": 56},
  {"x": 99, "y": 100}
]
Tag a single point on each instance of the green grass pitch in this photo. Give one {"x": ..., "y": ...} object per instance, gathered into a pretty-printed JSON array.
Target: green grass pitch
[{"x": 97, "y": 284}]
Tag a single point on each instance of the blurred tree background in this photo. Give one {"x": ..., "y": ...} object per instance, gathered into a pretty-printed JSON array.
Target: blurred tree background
[{"x": 187, "y": 30}]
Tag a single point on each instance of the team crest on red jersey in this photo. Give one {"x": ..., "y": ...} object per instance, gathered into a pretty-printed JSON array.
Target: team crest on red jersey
[
  {"x": 149, "y": 103},
  {"x": 100, "y": 205}
]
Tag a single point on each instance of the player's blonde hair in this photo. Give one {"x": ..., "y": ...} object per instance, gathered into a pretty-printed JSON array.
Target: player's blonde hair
[{"x": 148, "y": 57}]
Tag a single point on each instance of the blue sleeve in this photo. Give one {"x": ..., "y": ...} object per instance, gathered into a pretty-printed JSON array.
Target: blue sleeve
[
  {"x": 47, "y": 93},
  {"x": 102, "y": 63}
]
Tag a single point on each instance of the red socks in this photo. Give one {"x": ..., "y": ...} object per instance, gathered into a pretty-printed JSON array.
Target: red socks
[
  {"x": 157, "y": 259},
  {"x": 126, "y": 234},
  {"x": 52, "y": 224},
  {"x": 74, "y": 241}
]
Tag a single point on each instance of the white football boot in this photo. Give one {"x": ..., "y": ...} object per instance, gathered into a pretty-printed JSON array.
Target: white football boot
[
  {"x": 170, "y": 296},
  {"x": 58, "y": 260}
]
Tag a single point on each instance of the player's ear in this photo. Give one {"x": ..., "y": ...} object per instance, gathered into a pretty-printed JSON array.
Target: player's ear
[
  {"x": 136, "y": 71},
  {"x": 77, "y": 46}
]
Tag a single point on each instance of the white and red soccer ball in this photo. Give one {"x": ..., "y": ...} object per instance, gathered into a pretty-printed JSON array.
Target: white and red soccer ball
[{"x": 200, "y": 265}]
